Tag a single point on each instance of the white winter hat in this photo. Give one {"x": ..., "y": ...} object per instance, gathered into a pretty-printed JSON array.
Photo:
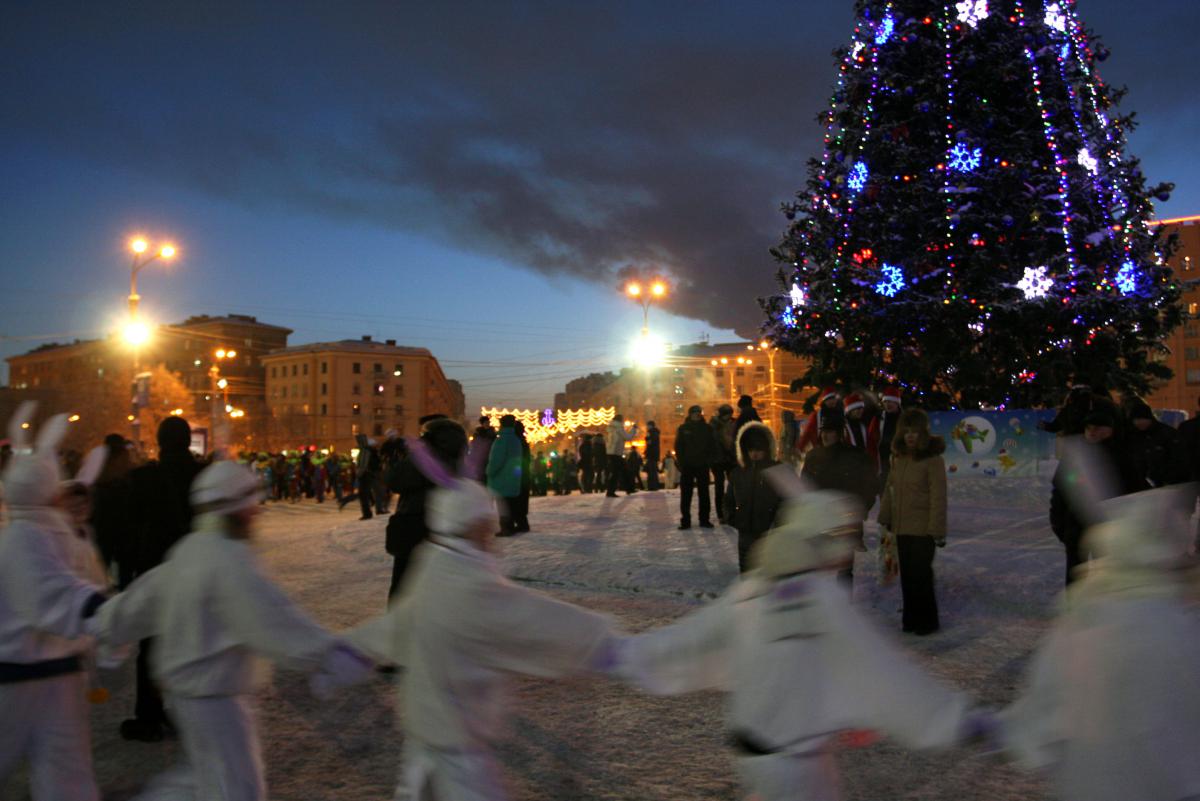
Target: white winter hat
[
  {"x": 810, "y": 535},
  {"x": 224, "y": 488},
  {"x": 1149, "y": 529},
  {"x": 32, "y": 477},
  {"x": 453, "y": 510}
]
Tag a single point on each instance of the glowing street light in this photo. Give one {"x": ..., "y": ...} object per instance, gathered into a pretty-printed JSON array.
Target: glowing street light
[
  {"x": 141, "y": 248},
  {"x": 136, "y": 333},
  {"x": 645, "y": 295}
]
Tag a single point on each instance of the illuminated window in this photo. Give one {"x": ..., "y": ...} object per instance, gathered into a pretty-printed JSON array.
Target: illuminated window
[
  {"x": 1193, "y": 308},
  {"x": 379, "y": 388},
  {"x": 355, "y": 409}
]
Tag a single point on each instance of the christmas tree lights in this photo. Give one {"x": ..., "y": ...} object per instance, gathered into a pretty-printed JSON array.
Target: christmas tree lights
[{"x": 964, "y": 141}]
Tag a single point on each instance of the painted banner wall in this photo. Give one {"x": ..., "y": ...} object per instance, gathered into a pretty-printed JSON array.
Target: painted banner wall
[{"x": 991, "y": 444}]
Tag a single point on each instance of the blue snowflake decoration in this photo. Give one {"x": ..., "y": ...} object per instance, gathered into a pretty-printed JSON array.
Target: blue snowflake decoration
[
  {"x": 858, "y": 177},
  {"x": 963, "y": 159},
  {"x": 1127, "y": 278},
  {"x": 885, "y": 30},
  {"x": 788, "y": 318},
  {"x": 893, "y": 281}
]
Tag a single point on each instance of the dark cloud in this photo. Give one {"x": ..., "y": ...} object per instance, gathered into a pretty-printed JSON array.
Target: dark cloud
[{"x": 570, "y": 138}]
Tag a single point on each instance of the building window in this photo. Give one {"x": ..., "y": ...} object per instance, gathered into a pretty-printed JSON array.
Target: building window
[
  {"x": 679, "y": 408},
  {"x": 398, "y": 370},
  {"x": 678, "y": 371},
  {"x": 294, "y": 369},
  {"x": 306, "y": 368},
  {"x": 740, "y": 371},
  {"x": 678, "y": 389},
  {"x": 356, "y": 368},
  {"x": 379, "y": 388},
  {"x": 1193, "y": 308},
  {"x": 398, "y": 391},
  {"x": 354, "y": 429},
  {"x": 760, "y": 369},
  {"x": 283, "y": 392},
  {"x": 378, "y": 412},
  {"x": 324, "y": 368},
  {"x": 324, "y": 410},
  {"x": 378, "y": 367},
  {"x": 399, "y": 410},
  {"x": 356, "y": 390},
  {"x": 324, "y": 388},
  {"x": 1191, "y": 354},
  {"x": 1193, "y": 376},
  {"x": 379, "y": 429},
  {"x": 355, "y": 409},
  {"x": 720, "y": 372},
  {"x": 741, "y": 390},
  {"x": 272, "y": 372}
]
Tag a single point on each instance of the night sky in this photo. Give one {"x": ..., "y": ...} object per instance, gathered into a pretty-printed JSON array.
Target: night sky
[{"x": 468, "y": 177}]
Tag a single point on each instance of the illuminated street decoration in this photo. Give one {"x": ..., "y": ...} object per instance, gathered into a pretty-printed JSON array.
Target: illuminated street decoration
[{"x": 542, "y": 424}]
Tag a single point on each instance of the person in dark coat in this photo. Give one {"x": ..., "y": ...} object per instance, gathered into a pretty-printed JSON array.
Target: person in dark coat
[
  {"x": 1069, "y": 420},
  {"x": 368, "y": 469},
  {"x": 696, "y": 450},
  {"x": 750, "y": 500},
  {"x": 1154, "y": 448},
  {"x": 724, "y": 432},
  {"x": 883, "y": 431},
  {"x": 481, "y": 444},
  {"x": 160, "y": 514},
  {"x": 746, "y": 414},
  {"x": 653, "y": 456},
  {"x": 520, "y": 506},
  {"x": 586, "y": 471},
  {"x": 111, "y": 509},
  {"x": 1188, "y": 443},
  {"x": 1101, "y": 430},
  {"x": 834, "y": 464},
  {"x": 599, "y": 463},
  {"x": 443, "y": 446}
]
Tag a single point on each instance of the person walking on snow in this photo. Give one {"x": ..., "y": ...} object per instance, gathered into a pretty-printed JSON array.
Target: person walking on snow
[
  {"x": 459, "y": 629},
  {"x": 653, "y": 456},
  {"x": 504, "y": 471},
  {"x": 615, "y": 439},
  {"x": 695, "y": 450},
  {"x": 750, "y": 500},
  {"x": 746, "y": 414},
  {"x": 724, "y": 434},
  {"x": 830, "y": 402},
  {"x": 801, "y": 666},
  {"x": 212, "y": 612},
  {"x": 44, "y": 605}
]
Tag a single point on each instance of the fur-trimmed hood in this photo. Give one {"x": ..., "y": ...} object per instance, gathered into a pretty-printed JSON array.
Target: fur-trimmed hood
[
  {"x": 741, "y": 456},
  {"x": 927, "y": 444}
]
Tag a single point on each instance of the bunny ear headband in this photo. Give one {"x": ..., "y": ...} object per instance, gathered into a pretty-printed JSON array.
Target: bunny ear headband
[{"x": 32, "y": 476}]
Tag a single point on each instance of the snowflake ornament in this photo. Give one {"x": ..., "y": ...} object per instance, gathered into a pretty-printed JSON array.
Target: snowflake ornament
[
  {"x": 857, "y": 49},
  {"x": 799, "y": 296},
  {"x": 885, "y": 30},
  {"x": 1127, "y": 278},
  {"x": 892, "y": 281},
  {"x": 1088, "y": 161},
  {"x": 1035, "y": 284},
  {"x": 1056, "y": 18},
  {"x": 963, "y": 159},
  {"x": 858, "y": 177},
  {"x": 972, "y": 12}
]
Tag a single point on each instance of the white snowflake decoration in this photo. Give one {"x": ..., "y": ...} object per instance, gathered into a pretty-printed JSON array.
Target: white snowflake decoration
[
  {"x": 858, "y": 48},
  {"x": 972, "y": 12},
  {"x": 1035, "y": 284},
  {"x": 1127, "y": 278},
  {"x": 893, "y": 281},
  {"x": 799, "y": 296},
  {"x": 1088, "y": 161},
  {"x": 858, "y": 177},
  {"x": 963, "y": 159},
  {"x": 885, "y": 30},
  {"x": 1055, "y": 18}
]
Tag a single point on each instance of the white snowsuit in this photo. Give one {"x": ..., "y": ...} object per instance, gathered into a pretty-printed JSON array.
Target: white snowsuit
[
  {"x": 457, "y": 629},
  {"x": 1111, "y": 707},
  {"x": 212, "y": 611},
  {"x": 801, "y": 666},
  {"x": 42, "y": 603}
]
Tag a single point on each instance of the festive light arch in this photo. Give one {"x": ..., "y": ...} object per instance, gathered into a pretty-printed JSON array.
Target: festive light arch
[{"x": 542, "y": 424}]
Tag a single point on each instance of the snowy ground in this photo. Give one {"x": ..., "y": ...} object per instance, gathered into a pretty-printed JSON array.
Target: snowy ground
[{"x": 997, "y": 583}]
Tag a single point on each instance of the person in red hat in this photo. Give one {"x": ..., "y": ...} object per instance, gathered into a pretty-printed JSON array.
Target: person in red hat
[
  {"x": 858, "y": 428},
  {"x": 830, "y": 402},
  {"x": 883, "y": 430}
]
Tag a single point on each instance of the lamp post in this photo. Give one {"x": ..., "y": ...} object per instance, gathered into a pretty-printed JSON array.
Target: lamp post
[
  {"x": 137, "y": 332},
  {"x": 767, "y": 348},
  {"x": 218, "y": 383},
  {"x": 656, "y": 289}
]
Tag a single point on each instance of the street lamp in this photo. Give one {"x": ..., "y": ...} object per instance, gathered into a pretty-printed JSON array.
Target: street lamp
[
  {"x": 141, "y": 257},
  {"x": 645, "y": 295},
  {"x": 766, "y": 347},
  {"x": 219, "y": 383}
]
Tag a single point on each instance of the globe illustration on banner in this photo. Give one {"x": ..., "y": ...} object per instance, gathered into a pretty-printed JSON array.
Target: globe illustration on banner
[{"x": 974, "y": 436}]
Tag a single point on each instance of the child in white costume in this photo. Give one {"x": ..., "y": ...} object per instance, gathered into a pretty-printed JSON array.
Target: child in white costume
[
  {"x": 213, "y": 611},
  {"x": 1111, "y": 707},
  {"x": 457, "y": 629},
  {"x": 800, "y": 664},
  {"x": 43, "y": 607}
]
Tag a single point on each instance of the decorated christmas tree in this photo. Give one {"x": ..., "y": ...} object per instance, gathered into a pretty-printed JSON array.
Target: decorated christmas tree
[{"x": 974, "y": 230}]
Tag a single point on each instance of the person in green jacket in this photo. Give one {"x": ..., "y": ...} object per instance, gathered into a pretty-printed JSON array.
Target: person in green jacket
[{"x": 504, "y": 471}]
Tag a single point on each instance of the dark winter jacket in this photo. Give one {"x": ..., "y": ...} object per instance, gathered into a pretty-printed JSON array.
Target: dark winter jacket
[
  {"x": 1067, "y": 522},
  {"x": 160, "y": 512},
  {"x": 695, "y": 446},
  {"x": 751, "y": 502},
  {"x": 724, "y": 434},
  {"x": 748, "y": 414},
  {"x": 481, "y": 445},
  {"x": 1156, "y": 455},
  {"x": 1187, "y": 446},
  {"x": 844, "y": 468},
  {"x": 653, "y": 453}
]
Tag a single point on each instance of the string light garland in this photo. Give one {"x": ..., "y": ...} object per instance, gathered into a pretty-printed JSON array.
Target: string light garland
[{"x": 543, "y": 424}]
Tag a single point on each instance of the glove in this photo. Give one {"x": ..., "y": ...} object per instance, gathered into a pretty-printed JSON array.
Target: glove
[{"x": 342, "y": 667}]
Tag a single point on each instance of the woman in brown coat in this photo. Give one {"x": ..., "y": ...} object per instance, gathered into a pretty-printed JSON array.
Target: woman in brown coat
[{"x": 914, "y": 509}]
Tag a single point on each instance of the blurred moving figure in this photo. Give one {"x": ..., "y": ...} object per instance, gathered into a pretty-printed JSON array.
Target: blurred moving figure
[
  {"x": 212, "y": 611},
  {"x": 458, "y": 627},
  {"x": 43, "y": 608},
  {"x": 1111, "y": 706}
]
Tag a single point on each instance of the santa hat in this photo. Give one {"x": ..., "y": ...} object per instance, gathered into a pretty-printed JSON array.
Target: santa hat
[
  {"x": 853, "y": 401},
  {"x": 827, "y": 393},
  {"x": 224, "y": 488},
  {"x": 32, "y": 476},
  {"x": 892, "y": 394},
  {"x": 810, "y": 535},
  {"x": 452, "y": 511}
]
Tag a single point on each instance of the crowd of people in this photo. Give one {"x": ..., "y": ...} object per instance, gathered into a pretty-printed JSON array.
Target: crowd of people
[{"x": 156, "y": 557}]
